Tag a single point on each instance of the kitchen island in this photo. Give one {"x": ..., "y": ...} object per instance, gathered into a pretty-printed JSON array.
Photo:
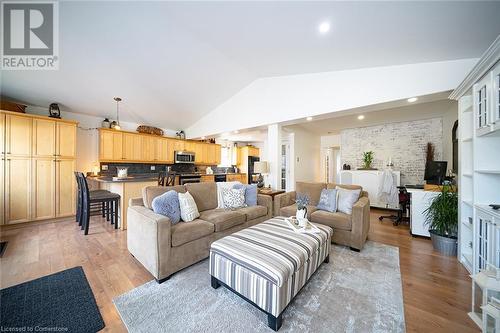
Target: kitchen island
[{"x": 127, "y": 188}]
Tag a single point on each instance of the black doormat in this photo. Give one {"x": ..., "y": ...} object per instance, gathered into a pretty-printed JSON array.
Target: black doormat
[
  {"x": 3, "y": 246},
  {"x": 60, "y": 302}
]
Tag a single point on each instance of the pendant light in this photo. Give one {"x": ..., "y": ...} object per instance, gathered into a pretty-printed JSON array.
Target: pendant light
[{"x": 117, "y": 124}]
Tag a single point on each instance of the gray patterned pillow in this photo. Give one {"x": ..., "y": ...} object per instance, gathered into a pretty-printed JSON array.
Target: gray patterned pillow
[{"x": 233, "y": 198}]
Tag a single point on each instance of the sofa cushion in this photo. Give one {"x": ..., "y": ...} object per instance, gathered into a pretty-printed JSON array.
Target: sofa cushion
[
  {"x": 336, "y": 220},
  {"x": 223, "y": 219},
  {"x": 151, "y": 192},
  {"x": 189, "y": 210},
  {"x": 328, "y": 200},
  {"x": 250, "y": 193},
  {"x": 233, "y": 198},
  {"x": 347, "y": 187},
  {"x": 184, "y": 232},
  {"x": 312, "y": 190},
  {"x": 204, "y": 194},
  {"x": 292, "y": 210},
  {"x": 168, "y": 204},
  {"x": 253, "y": 212},
  {"x": 346, "y": 199}
]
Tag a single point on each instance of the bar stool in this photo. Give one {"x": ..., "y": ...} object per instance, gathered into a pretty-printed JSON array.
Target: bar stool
[
  {"x": 110, "y": 201},
  {"x": 80, "y": 198}
]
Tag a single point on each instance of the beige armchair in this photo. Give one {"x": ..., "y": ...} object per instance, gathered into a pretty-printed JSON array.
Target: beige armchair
[{"x": 350, "y": 230}]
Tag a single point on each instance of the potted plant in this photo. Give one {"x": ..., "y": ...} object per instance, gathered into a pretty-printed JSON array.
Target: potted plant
[
  {"x": 367, "y": 159},
  {"x": 442, "y": 219},
  {"x": 302, "y": 201}
]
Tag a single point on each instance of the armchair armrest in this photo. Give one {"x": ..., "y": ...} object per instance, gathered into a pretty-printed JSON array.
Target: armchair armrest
[
  {"x": 149, "y": 239},
  {"x": 283, "y": 200},
  {"x": 360, "y": 222},
  {"x": 266, "y": 201}
]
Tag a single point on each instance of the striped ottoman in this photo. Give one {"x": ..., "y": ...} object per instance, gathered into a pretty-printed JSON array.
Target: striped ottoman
[{"x": 268, "y": 264}]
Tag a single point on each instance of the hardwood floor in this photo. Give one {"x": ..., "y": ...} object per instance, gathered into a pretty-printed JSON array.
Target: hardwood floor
[{"x": 436, "y": 289}]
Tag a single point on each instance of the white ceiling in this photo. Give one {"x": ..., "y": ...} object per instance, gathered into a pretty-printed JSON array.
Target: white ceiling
[
  {"x": 431, "y": 106},
  {"x": 173, "y": 62}
]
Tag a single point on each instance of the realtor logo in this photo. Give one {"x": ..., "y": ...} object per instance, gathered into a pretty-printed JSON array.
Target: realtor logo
[{"x": 30, "y": 35}]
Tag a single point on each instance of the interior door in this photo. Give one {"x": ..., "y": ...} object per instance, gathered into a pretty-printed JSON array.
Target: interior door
[
  {"x": 44, "y": 138},
  {"x": 65, "y": 187},
  {"x": 66, "y": 140},
  {"x": 18, "y": 133},
  {"x": 44, "y": 188},
  {"x": 18, "y": 189}
]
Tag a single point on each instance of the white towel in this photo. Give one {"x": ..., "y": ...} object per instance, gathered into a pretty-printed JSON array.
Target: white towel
[
  {"x": 388, "y": 191},
  {"x": 220, "y": 186}
]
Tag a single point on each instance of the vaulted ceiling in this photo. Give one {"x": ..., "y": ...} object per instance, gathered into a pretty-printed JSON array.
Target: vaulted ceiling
[{"x": 174, "y": 62}]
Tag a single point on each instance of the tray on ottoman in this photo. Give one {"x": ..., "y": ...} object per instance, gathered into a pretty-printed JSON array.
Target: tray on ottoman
[{"x": 268, "y": 264}]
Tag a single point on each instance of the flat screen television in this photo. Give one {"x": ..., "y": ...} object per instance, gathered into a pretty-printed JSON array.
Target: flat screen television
[{"x": 435, "y": 172}]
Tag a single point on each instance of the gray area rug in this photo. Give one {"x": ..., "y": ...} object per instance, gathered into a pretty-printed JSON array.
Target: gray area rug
[{"x": 355, "y": 292}]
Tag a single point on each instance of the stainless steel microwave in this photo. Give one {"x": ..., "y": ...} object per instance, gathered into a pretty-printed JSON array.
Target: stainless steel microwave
[{"x": 184, "y": 157}]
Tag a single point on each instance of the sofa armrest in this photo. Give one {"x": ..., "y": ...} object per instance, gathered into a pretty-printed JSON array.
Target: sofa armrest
[
  {"x": 149, "y": 239},
  {"x": 136, "y": 202},
  {"x": 283, "y": 200},
  {"x": 360, "y": 222},
  {"x": 266, "y": 201}
]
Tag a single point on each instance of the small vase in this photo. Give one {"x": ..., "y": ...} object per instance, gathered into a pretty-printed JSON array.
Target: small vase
[{"x": 301, "y": 213}]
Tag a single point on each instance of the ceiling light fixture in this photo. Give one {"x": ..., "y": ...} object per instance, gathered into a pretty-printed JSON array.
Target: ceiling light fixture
[
  {"x": 203, "y": 138},
  {"x": 309, "y": 118},
  {"x": 324, "y": 27},
  {"x": 361, "y": 117},
  {"x": 117, "y": 122},
  {"x": 236, "y": 132},
  {"x": 411, "y": 100}
]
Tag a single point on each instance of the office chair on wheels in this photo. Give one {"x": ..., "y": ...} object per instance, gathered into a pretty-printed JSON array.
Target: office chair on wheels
[{"x": 404, "y": 205}]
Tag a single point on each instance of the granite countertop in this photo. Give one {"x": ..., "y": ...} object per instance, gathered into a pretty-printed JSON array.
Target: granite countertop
[{"x": 152, "y": 177}]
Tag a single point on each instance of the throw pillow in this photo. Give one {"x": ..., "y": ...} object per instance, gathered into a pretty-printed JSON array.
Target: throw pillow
[
  {"x": 189, "y": 211},
  {"x": 168, "y": 204},
  {"x": 233, "y": 198},
  {"x": 220, "y": 187},
  {"x": 328, "y": 200},
  {"x": 250, "y": 193},
  {"x": 346, "y": 199}
]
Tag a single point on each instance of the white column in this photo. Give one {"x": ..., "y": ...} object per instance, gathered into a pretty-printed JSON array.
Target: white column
[{"x": 274, "y": 154}]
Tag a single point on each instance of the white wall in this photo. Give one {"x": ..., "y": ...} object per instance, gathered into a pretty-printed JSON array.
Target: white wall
[
  {"x": 87, "y": 139},
  {"x": 306, "y": 156},
  {"x": 287, "y": 98}
]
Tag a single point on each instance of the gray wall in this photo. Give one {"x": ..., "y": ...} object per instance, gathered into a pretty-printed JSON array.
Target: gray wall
[{"x": 405, "y": 142}]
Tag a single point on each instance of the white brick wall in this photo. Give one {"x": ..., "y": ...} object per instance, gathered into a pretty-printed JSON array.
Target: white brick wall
[{"x": 405, "y": 142}]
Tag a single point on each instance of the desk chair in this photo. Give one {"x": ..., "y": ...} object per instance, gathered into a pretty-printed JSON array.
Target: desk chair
[{"x": 404, "y": 205}]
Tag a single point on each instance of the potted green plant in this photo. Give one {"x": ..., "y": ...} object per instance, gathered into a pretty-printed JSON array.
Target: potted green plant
[
  {"x": 367, "y": 159},
  {"x": 442, "y": 218}
]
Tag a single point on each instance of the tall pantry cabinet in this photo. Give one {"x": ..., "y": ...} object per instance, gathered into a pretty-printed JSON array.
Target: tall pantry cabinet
[{"x": 37, "y": 163}]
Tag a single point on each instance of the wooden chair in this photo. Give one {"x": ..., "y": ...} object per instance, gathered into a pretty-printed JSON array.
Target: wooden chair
[
  {"x": 107, "y": 202},
  {"x": 166, "y": 178}
]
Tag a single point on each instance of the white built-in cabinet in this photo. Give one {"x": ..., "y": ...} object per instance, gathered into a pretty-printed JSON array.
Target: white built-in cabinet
[{"x": 479, "y": 181}]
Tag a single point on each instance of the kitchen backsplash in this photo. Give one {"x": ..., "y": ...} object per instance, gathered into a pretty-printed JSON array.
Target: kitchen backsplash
[{"x": 143, "y": 168}]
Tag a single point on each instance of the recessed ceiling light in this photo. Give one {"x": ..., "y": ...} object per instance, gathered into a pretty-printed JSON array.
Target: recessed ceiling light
[
  {"x": 324, "y": 27},
  {"x": 413, "y": 99},
  {"x": 309, "y": 118},
  {"x": 236, "y": 132},
  {"x": 361, "y": 117}
]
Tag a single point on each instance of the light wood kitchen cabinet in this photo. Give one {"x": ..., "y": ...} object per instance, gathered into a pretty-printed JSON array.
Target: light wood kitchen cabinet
[
  {"x": 111, "y": 145},
  {"x": 163, "y": 151},
  {"x": 65, "y": 140},
  {"x": 207, "y": 178},
  {"x": 44, "y": 138},
  {"x": 2, "y": 167},
  {"x": 44, "y": 188},
  {"x": 238, "y": 177},
  {"x": 178, "y": 145},
  {"x": 132, "y": 145},
  {"x": 65, "y": 187},
  {"x": 217, "y": 154},
  {"x": 149, "y": 144},
  {"x": 18, "y": 189},
  {"x": 18, "y": 134},
  {"x": 31, "y": 179}
]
